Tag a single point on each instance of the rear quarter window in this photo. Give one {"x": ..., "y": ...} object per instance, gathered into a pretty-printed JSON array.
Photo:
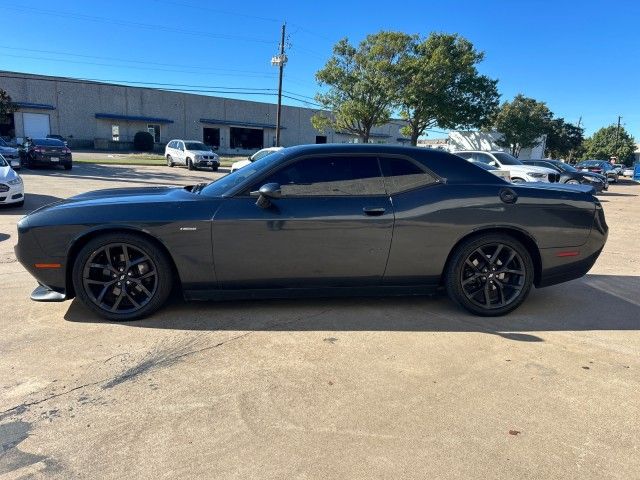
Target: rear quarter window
[{"x": 401, "y": 175}]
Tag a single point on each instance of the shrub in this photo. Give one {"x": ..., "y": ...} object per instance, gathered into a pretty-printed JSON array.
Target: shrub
[{"x": 143, "y": 142}]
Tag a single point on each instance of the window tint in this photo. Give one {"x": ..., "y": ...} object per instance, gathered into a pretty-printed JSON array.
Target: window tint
[
  {"x": 465, "y": 155},
  {"x": 329, "y": 176},
  {"x": 401, "y": 175}
]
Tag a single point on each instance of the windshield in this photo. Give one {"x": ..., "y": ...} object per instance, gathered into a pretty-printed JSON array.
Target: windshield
[
  {"x": 47, "y": 142},
  {"x": 196, "y": 146},
  {"x": 224, "y": 184},
  {"x": 3, "y": 162},
  {"x": 506, "y": 159}
]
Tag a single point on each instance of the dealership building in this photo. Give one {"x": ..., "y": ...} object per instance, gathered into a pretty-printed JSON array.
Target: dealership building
[{"x": 107, "y": 116}]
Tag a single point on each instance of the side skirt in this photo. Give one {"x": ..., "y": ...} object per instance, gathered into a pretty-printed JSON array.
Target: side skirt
[{"x": 315, "y": 292}]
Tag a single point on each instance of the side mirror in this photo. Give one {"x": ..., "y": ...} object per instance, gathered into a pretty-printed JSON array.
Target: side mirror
[{"x": 267, "y": 192}]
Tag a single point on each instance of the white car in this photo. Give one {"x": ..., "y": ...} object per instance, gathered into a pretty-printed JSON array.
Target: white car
[
  {"x": 10, "y": 154},
  {"x": 628, "y": 172},
  {"x": 518, "y": 171},
  {"x": 11, "y": 186},
  {"x": 503, "y": 174},
  {"x": 192, "y": 154},
  {"x": 256, "y": 156}
]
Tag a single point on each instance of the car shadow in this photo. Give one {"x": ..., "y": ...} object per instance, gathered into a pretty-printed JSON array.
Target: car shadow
[
  {"x": 123, "y": 174},
  {"x": 32, "y": 201},
  {"x": 595, "y": 302}
]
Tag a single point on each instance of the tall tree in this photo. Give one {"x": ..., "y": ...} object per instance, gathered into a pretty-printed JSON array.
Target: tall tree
[
  {"x": 6, "y": 105},
  {"x": 362, "y": 84},
  {"x": 564, "y": 140},
  {"x": 610, "y": 142},
  {"x": 439, "y": 84},
  {"x": 521, "y": 122}
]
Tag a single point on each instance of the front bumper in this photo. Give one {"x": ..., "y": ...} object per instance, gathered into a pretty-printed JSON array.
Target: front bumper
[
  {"x": 15, "y": 194},
  {"x": 208, "y": 163}
]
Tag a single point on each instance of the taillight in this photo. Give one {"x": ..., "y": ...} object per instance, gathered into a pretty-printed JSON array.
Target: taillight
[
  {"x": 38, "y": 149},
  {"x": 66, "y": 150}
]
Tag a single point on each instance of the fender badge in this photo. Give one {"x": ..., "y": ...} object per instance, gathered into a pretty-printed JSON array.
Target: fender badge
[{"x": 188, "y": 229}]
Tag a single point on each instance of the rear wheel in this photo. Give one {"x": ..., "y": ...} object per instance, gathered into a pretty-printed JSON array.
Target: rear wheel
[
  {"x": 490, "y": 275},
  {"x": 122, "y": 276},
  {"x": 68, "y": 166}
]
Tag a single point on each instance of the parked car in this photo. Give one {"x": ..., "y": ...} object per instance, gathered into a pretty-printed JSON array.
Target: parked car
[
  {"x": 519, "y": 172},
  {"x": 619, "y": 168},
  {"x": 504, "y": 174},
  {"x": 252, "y": 158},
  {"x": 316, "y": 220},
  {"x": 192, "y": 154},
  {"x": 10, "y": 154},
  {"x": 11, "y": 186},
  {"x": 59, "y": 137},
  {"x": 571, "y": 175},
  {"x": 48, "y": 152},
  {"x": 628, "y": 171},
  {"x": 599, "y": 166}
]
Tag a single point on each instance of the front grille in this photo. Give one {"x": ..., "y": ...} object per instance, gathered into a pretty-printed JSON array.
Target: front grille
[{"x": 4, "y": 188}]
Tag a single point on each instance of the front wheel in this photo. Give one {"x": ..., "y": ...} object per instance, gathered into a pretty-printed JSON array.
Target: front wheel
[
  {"x": 490, "y": 275},
  {"x": 122, "y": 276},
  {"x": 169, "y": 161},
  {"x": 190, "y": 164}
]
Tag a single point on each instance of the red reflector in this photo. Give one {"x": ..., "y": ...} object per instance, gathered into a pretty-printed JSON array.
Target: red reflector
[
  {"x": 567, "y": 254},
  {"x": 48, "y": 265}
]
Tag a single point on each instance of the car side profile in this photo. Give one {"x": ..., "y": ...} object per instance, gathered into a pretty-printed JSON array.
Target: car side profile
[
  {"x": 316, "y": 220},
  {"x": 571, "y": 175},
  {"x": 191, "y": 154},
  {"x": 600, "y": 167},
  {"x": 518, "y": 172},
  {"x": 252, "y": 158}
]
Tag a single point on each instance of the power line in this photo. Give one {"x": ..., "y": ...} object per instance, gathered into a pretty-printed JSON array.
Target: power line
[
  {"x": 126, "y": 23},
  {"x": 145, "y": 62}
]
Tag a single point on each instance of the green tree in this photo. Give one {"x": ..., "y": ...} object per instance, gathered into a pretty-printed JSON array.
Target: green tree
[
  {"x": 610, "y": 142},
  {"x": 362, "y": 84},
  {"x": 564, "y": 140},
  {"x": 440, "y": 85},
  {"x": 6, "y": 105},
  {"x": 521, "y": 122}
]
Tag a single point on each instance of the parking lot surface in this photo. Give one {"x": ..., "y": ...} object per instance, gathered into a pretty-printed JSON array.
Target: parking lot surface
[{"x": 329, "y": 388}]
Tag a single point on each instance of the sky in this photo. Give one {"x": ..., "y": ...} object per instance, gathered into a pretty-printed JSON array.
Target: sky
[{"x": 580, "y": 57}]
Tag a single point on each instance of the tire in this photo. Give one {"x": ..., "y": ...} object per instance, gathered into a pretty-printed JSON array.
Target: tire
[
  {"x": 214, "y": 169},
  {"x": 508, "y": 289},
  {"x": 518, "y": 180},
  {"x": 169, "y": 161},
  {"x": 572, "y": 182},
  {"x": 122, "y": 290},
  {"x": 68, "y": 166},
  {"x": 190, "y": 164}
]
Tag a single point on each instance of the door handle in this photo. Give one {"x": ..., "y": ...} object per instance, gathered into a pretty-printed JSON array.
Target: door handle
[{"x": 373, "y": 211}]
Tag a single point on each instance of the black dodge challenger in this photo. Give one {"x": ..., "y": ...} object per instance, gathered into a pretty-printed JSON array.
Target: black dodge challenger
[{"x": 316, "y": 220}]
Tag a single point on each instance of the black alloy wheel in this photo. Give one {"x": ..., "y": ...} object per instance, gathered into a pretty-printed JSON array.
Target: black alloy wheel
[
  {"x": 122, "y": 276},
  {"x": 490, "y": 275}
]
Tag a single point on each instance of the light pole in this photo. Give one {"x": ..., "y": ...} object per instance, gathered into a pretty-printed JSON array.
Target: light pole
[{"x": 279, "y": 61}]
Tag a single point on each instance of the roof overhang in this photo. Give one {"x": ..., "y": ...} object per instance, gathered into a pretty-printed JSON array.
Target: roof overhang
[
  {"x": 131, "y": 118},
  {"x": 233, "y": 123},
  {"x": 34, "y": 106}
]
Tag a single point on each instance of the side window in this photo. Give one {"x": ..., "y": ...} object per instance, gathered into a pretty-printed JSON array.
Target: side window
[
  {"x": 401, "y": 175},
  {"x": 464, "y": 155},
  {"x": 180, "y": 146},
  {"x": 329, "y": 176},
  {"x": 484, "y": 158}
]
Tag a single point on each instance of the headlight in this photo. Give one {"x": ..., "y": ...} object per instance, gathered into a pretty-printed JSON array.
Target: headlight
[
  {"x": 198, "y": 157},
  {"x": 536, "y": 174},
  {"x": 15, "y": 181}
]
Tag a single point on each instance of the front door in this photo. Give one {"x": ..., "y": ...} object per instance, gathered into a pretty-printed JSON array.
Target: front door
[{"x": 331, "y": 227}]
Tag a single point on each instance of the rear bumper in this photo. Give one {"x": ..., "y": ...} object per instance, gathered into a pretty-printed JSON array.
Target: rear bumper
[
  {"x": 41, "y": 159},
  {"x": 560, "y": 265}
]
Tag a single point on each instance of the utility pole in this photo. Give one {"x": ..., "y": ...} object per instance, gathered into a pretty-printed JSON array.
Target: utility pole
[
  {"x": 617, "y": 136},
  {"x": 279, "y": 61}
]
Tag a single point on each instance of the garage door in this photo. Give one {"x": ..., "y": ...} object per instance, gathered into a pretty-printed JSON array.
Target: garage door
[{"x": 36, "y": 125}]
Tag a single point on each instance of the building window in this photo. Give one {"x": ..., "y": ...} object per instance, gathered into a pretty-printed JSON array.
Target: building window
[
  {"x": 321, "y": 139},
  {"x": 246, "y": 138},
  {"x": 211, "y": 136},
  {"x": 154, "y": 130},
  {"x": 115, "y": 133}
]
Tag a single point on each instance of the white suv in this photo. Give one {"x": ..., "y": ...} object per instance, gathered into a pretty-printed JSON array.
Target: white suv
[
  {"x": 518, "y": 171},
  {"x": 192, "y": 154}
]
